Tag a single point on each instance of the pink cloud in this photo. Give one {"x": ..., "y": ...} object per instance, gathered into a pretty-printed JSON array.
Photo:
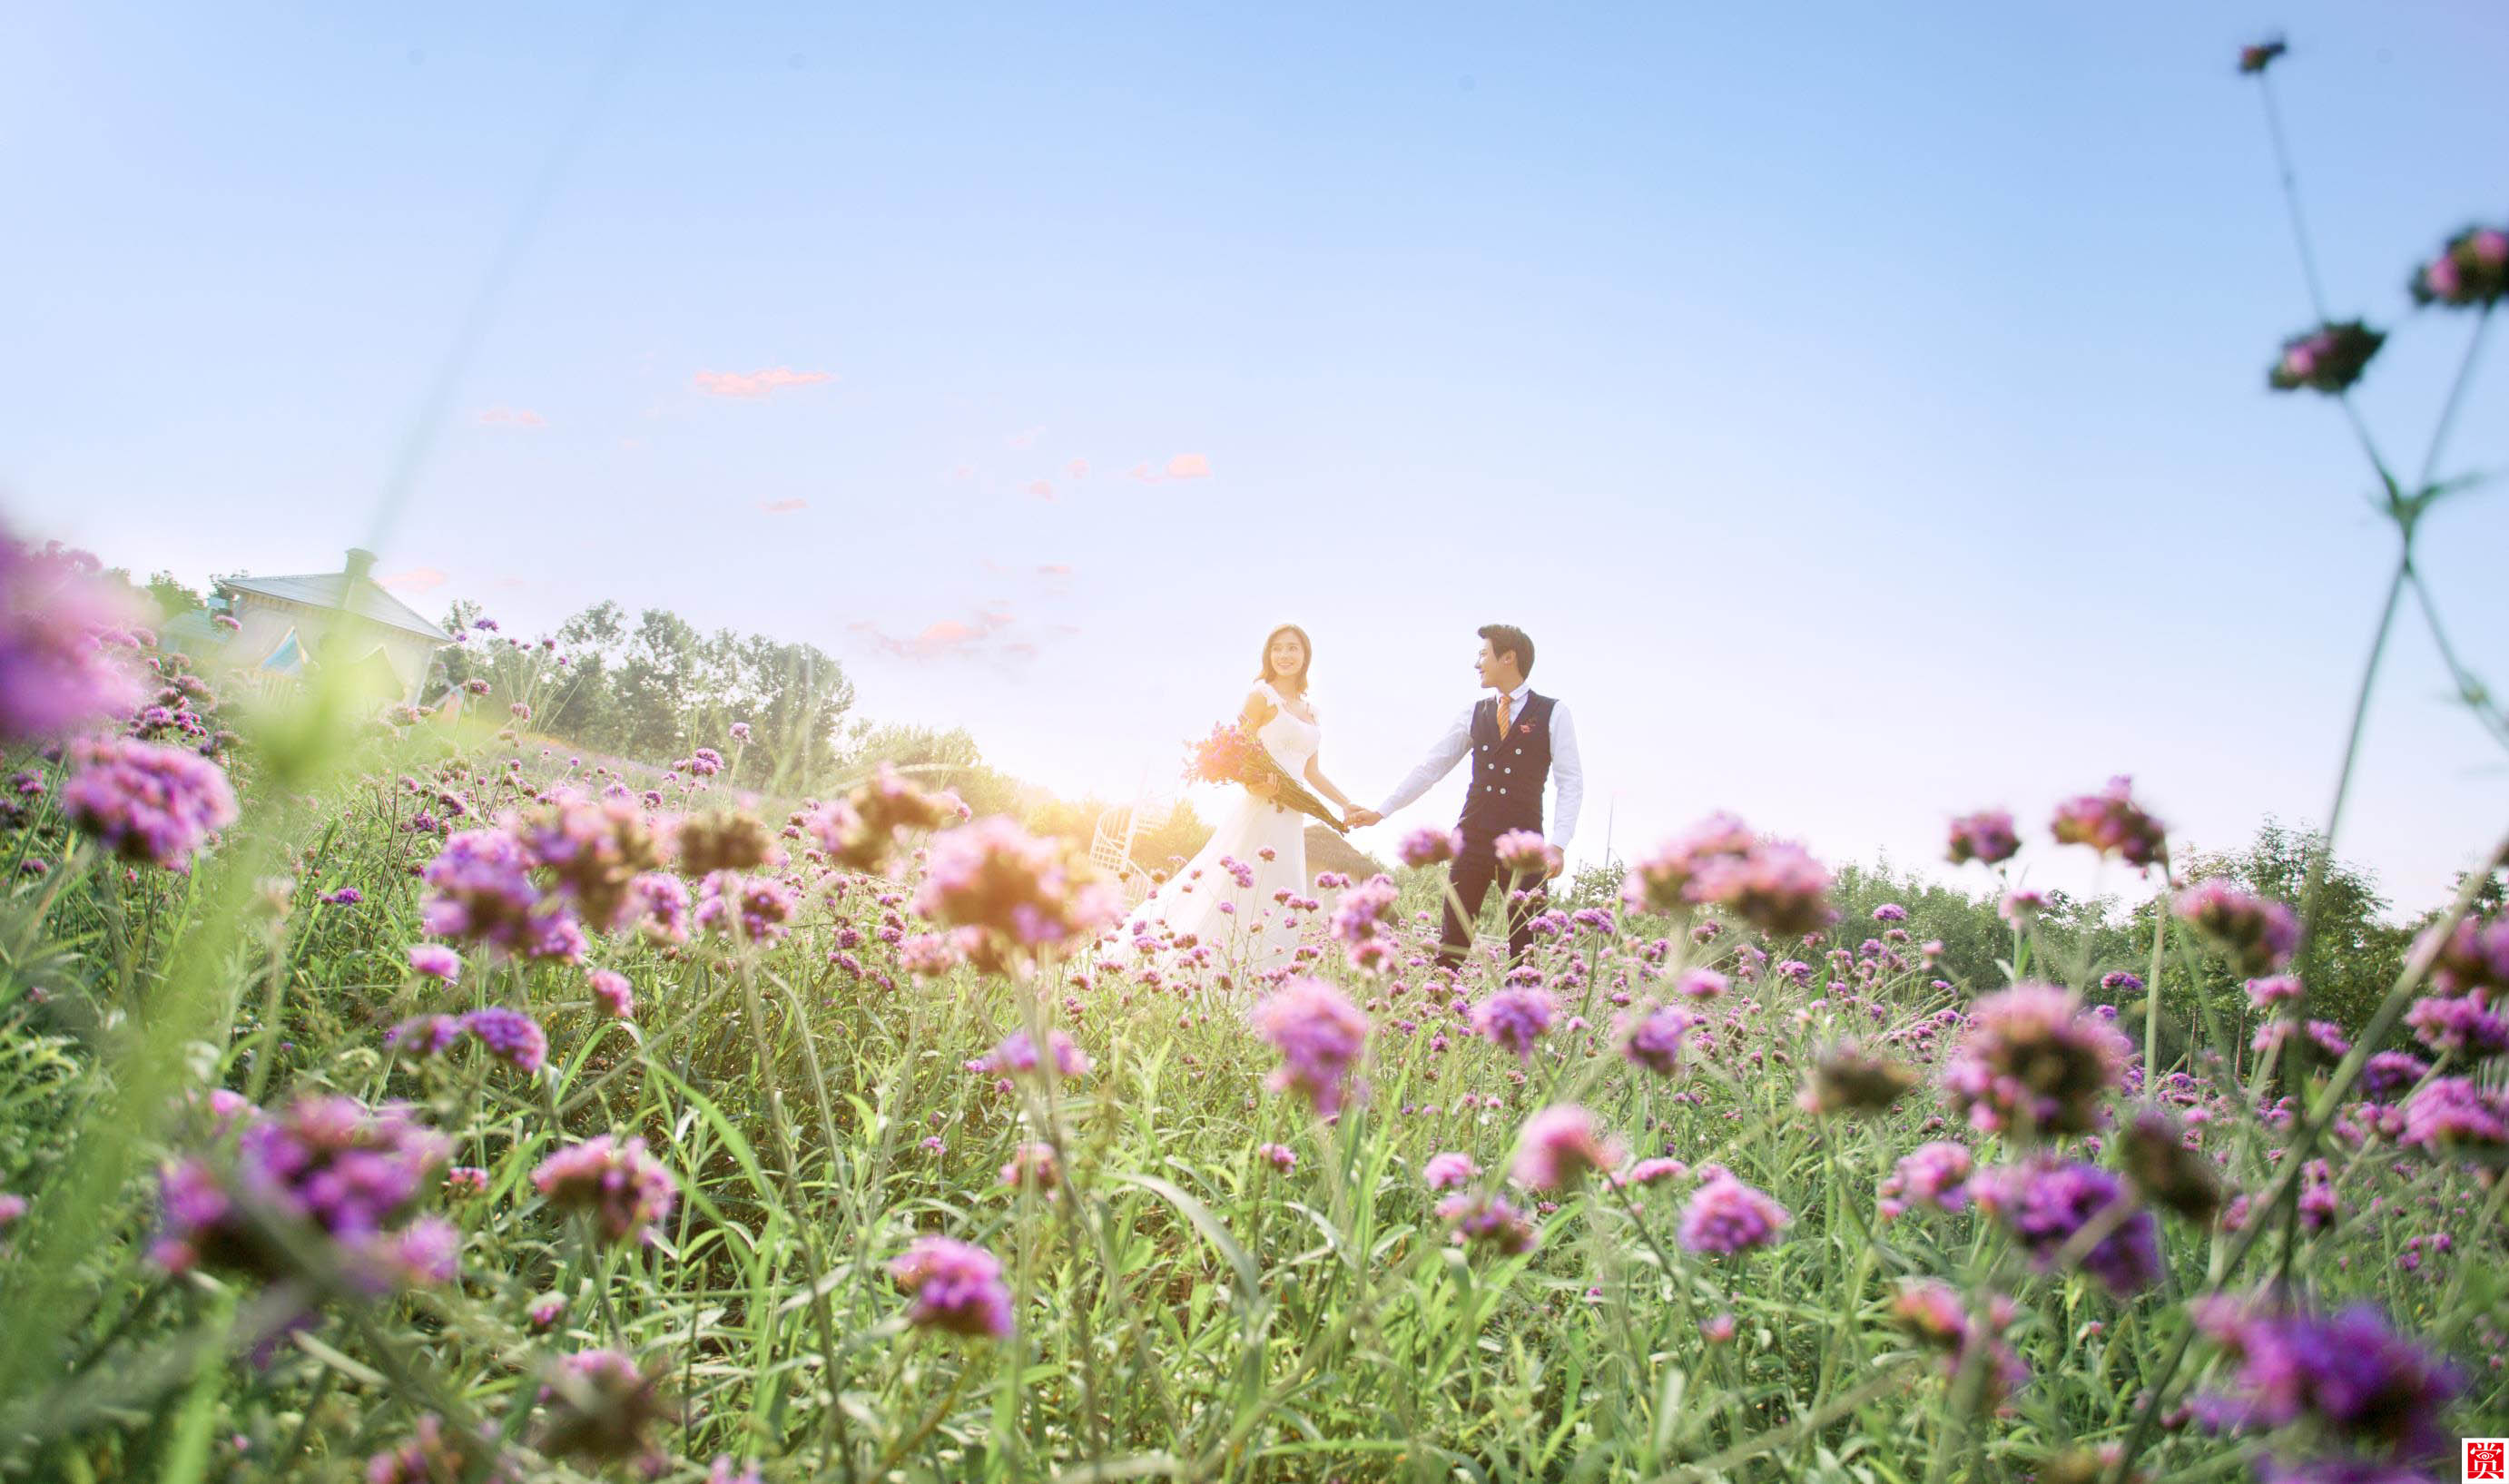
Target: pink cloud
[
  {"x": 756, "y": 384},
  {"x": 1040, "y": 489},
  {"x": 512, "y": 417},
  {"x": 1077, "y": 469},
  {"x": 946, "y": 639},
  {"x": 1182, "y": 466},
  {"x": 1025, "y": 437},
  {"x": 961, "y": 471},
  {"x": 417, "y": 579},
  {"x": 783, "y": 506},
  {"x": 1055, "y": 569}
]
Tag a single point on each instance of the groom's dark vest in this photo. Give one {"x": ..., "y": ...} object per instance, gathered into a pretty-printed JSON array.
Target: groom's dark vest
[{"x": 1508, "y": 771}]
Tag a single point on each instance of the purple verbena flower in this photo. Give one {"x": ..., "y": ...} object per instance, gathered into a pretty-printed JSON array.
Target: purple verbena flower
[
  {"x": 1560, "y": 1144},
  {"x": 623, "y": 1190},
  {"x": 1726, "y": 1216},
  {"x": 1320, "y": 1035},
  {"x": 957, "y": 1288},
  {"x": 147, "y": 802}
]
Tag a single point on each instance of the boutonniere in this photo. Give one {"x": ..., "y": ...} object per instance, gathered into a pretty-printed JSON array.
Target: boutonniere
[{"x": 1524, "y": 728}]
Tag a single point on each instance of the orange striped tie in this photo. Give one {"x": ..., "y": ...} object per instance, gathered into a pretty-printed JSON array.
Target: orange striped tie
[{"x": 1502, "y": 713}]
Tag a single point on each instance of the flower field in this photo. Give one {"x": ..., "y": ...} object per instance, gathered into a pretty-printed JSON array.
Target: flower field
[
  {"x": 396, "y": 1098},
  {"x": 402, "y": 1101}
]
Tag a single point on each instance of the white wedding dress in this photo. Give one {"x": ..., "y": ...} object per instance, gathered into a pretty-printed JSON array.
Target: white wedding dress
[{"x": 1219, "y": 913}]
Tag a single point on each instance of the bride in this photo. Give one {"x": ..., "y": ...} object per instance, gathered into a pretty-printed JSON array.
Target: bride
[{"x": 1219, "y": 913}]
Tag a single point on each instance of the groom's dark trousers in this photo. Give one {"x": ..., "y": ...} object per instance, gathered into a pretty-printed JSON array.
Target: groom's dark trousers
[{"x": 1472, "y": 875}]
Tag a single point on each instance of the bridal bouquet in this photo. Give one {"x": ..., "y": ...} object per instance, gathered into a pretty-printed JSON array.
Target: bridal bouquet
[{"x": 1232, "y": 755}]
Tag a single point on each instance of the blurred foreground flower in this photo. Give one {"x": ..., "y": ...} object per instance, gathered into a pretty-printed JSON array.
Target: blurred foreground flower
[
  {"x": 957, "y": 1288},
  {"x": 2035, "y": 1064},
  {"x": 1934, "y": 1314},
  {"x": 2472, "y": 271},
  {"x": 57, "y": 668},
  {"x": 1726, "y": 1216},
  {"x": 2047, "y": 1203},
  {"x": 1026, "y": 893},
  {"x": 601, "y": 1407},
  {"x": 624, "y": 1191},
  {"x": 2329, "y": 358},
  {"x": 327, "y": 1178},
  {"x": 2110, "y": 823},
  {"x": 1320, "y": 1035},
  {"x": 147, "y": 802}
]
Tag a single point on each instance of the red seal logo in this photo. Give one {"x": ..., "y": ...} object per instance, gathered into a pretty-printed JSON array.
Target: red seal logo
[{"x": 2486, "y": 1457}]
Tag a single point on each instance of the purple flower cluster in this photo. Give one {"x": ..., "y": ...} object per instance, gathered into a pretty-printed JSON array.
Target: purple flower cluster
[
  {"x": 2328, "y": 358},
  {"x": 1986, "y": 836},
  {"x": 2472, "y": 270},
  {"x": 2388, "y": 1073},
  {"x": 957, "y": 1288},
  {"x": 1026, "y": 891},
  {"x": 1364, "y": 916},
  {"x": 2256, "y": 932},
  {"x": 2032, "y": 1064},
  {"x": 1777, "y": 887},
  {"x": 2454, "y": 1113},
  {"x": 1515, "y": 1018},
  {"x": 1662, "y": 881},
  {"x": 2046, "y": 1202},
  {"x": 433, "y": 1456},
  {"x": 617, "y": 997},
  {"x": 593, "y": 850},
  {"x": 1488, "y": 1221},
  {"x": 1428, "y": 846},
  {"x": 147, "y": 802},
  {"x": 602, "y": 1406},
  {"x": 1936, "y": 1173},
  {"x": 2458, "y": 1024},
  {"x": 1526, "y": 853},
  {"x": 1320, "y": 1035},
  {"x": 1725, "y": 1216},
  {"x": 480, "y": 890},
  {"x": 509, "y": 1036},
  {"x": 763, "y": 906},
  {"x": 1933, "y": 1313},
  {"x": 1560, "y": 1144},
  {"x": 1450, "y": 1170},
  {"x": 2110, "y": 823},
  {"x": 56, "y": 619},
  {"x": 330, "y": 1168},
  {"x": 1653, "y": 1040},
  {"x": 2473, "y": 958},
  {"x": 1017, "y": 1055},
  {"x": 623, "y": 1190},
  {"x": 2351, "y": 1375},
  {"x": 1034, "y": 1165}
]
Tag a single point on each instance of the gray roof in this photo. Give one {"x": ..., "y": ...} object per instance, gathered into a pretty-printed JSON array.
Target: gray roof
[{"x": 323, "y": 590}]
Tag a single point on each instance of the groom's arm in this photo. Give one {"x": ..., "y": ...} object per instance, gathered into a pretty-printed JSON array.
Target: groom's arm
[
  {"x": 1567, "y": 777},
  {"x": 1440, "y": 761}
]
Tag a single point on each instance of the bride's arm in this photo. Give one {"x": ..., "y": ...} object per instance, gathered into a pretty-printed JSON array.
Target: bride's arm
[{"x": 1322, "y": 785}]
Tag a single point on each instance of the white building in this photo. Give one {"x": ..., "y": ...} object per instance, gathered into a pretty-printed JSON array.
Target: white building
[{"x": 285, "y": 626}]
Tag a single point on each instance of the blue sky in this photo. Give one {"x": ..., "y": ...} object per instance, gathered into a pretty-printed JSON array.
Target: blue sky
[{"x": 1862, "y": 409}]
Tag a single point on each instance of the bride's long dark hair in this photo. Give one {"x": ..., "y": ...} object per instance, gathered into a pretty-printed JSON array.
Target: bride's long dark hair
[{"x": 1264, "y": 669}]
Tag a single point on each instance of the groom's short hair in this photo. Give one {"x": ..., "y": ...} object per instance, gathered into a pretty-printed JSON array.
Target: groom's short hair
[{"x": 1507, "y": 639}]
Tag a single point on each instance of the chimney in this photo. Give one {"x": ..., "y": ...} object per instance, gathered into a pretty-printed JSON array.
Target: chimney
[{"x": 362, "y": 563}]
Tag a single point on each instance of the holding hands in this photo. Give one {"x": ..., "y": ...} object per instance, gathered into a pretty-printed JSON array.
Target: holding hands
[{"x": 1357, "y": 818}]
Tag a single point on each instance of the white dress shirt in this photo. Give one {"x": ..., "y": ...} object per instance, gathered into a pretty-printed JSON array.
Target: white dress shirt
[{"x": 1567, "y": 774}]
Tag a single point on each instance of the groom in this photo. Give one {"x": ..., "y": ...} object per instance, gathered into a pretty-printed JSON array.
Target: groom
[{"x": 1517, "y": 739}]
